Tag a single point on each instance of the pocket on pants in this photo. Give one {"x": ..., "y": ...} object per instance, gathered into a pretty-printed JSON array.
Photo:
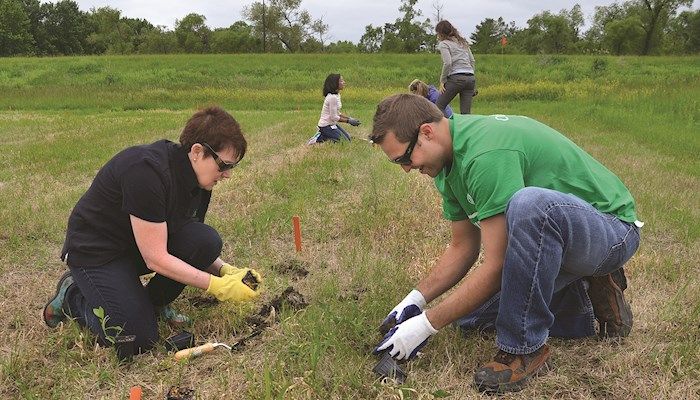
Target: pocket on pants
[{"x": 620, "y": 253}]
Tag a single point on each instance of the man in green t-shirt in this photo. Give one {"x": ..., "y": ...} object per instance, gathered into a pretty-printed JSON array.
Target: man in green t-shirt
[{"x": 555, "y": 225}]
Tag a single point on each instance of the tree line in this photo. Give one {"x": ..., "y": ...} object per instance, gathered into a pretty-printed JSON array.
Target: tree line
[{"x": 30, "y": 27}]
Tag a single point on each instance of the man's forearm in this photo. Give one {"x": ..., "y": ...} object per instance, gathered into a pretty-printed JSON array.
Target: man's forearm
[
  {"x": 482, "y": 283},
  {"x": 452, "y": 266},
  {"x": 479, "y": 286}
]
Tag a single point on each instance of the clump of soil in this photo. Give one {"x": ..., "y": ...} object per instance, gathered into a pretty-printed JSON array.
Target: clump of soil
[
  {"x": 268, "y": 313},
  {"x": 180, "y": 393},
  {"x": 294, "y": 268},
  {"x": 291, "y": 297}
]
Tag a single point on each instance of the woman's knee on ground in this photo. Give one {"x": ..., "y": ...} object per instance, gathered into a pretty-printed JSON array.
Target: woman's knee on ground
[{"x": 197, "y": 244}]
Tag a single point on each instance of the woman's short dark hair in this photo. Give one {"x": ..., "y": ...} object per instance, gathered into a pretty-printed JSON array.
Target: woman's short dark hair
[
  {"x": 215, "y": 127},
  {"x": 331, "y": 85}
]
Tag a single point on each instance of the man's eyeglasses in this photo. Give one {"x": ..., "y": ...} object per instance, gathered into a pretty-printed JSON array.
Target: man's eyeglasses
[
  {"x": 223, "y": 165},
  {"x": 405, "y": 159}
]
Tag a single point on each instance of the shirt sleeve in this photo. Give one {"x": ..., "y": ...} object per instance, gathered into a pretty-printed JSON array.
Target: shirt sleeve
[
  {"x": 492, "y": 180},
  {"x": 143, "y": 193},
  {"x": 446, "y": 61},
  {"x": 451, "y": 208}
]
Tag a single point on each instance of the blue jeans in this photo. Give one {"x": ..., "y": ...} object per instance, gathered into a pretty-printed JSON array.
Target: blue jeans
[
  {"x": 334, "y": 133},
  {"x": 554, "y": 240},
  {"x": 116, "y": 286}
]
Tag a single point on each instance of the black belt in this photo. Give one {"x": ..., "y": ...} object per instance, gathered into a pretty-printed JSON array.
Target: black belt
[{"x": 464, "y": 73}]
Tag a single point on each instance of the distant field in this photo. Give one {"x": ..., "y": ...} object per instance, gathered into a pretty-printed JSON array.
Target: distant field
[{"x": 369, "y": 229}]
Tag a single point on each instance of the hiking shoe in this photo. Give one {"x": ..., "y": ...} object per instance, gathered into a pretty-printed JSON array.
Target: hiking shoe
[
  {"x": 510, "y": 372},
  {"x": 54, "y": 311},
  {"x": 612, "y": 311},
  {"x": 175, "y": 319}
]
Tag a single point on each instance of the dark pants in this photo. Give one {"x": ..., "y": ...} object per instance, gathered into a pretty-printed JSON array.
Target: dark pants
[
  {"x": 336, "y": 134},
  {"x": 461, "y": 84},
  {"x": 116, "y": 287}
]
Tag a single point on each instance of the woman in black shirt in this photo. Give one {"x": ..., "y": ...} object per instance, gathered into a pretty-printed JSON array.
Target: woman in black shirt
[{"x": 144, "y": 212}]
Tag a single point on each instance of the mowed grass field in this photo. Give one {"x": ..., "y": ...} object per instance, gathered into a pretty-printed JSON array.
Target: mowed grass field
[{"x": 370, "y": 231}]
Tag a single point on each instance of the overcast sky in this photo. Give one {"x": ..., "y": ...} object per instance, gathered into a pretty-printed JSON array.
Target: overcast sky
[{"x": 347, "y": 19}]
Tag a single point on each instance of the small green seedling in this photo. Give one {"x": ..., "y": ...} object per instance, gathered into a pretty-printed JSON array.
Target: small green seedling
[{"x": 100, "y": 313}]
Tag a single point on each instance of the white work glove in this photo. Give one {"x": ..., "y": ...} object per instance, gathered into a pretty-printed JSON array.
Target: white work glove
[
  {"x": 405, "y": 339},
  {"x": 415, "y": 299}
]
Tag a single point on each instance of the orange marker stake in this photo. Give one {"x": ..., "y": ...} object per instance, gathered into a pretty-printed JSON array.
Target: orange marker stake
[
  {"x": 135, "y": 393},
  {"x": 297, "y": 232}
]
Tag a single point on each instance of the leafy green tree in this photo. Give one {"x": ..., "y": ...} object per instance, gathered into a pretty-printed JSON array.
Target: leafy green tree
[
  {"x": 624, "y": 36},
  {"x": 14, "y": 29},
  {"x": 320, "y": 29},
  {"x": 487, "y": 36},
  {"x": 139, "y": 28},
  {"x": 594, "y": 38},
  {"x": 652, "y": 16},
  {"x": 312, "y": 45},
  {"x": 115, "y": 34},
  {"x": 392, "y": 43},
  {"x": 283, "y": 25},
  {"x": 683, "y": 33},
  {"x": 655, "y": 15},
  {"x": 371, "y": 40},
  {"x": 238, "y": 38},
  {"x": 415, "y": 35},
  {"x": 192, "y": 33},
  {"x": 67, "y": 28},
  {"x": 158, "y": 41},
  {"x": 342, "y": 46},
  {"x": 36, "y": 14},
  {"x": 406, "y": 35},
  {"x": 553, "y": 33}
]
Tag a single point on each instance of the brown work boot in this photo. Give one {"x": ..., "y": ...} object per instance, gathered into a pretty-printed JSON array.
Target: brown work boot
[
  {"x": 509, "y": 372},
  {"x": 612, "y": 311}
]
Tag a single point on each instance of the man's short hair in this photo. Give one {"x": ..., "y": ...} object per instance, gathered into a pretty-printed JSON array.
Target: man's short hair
[
  {"x": 403, "y": 114},
  {"x": 214, "y": 126}
]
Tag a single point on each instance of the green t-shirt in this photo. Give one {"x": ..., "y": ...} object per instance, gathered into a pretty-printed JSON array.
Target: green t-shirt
[{"x": 494, "y": 156}]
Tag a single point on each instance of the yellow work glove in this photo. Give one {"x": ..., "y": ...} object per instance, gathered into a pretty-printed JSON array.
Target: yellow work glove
[
  {"x": 232, "y": 287},
  {"x": 228, "y": 269},
  {"x": 252, "y": 281}
]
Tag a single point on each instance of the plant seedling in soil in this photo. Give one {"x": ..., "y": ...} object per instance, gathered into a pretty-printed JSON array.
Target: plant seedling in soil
[{"x": 100, "y": 313}]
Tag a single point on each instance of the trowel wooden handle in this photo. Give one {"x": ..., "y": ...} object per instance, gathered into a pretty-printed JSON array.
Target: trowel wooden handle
[{"x": 194, "y": 351}]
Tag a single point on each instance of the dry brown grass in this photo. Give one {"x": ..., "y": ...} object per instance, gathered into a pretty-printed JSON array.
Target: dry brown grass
[{"x": 363, "y": 249}]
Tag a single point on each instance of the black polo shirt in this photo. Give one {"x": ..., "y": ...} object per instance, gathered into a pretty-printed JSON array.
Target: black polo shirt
[{"x": 153, "y": 182}]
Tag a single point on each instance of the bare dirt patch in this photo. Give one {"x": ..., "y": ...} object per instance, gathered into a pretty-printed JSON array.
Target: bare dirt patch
[
  {"x": 267, "y": 315},
  {"x": 294, "y": 268}
]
